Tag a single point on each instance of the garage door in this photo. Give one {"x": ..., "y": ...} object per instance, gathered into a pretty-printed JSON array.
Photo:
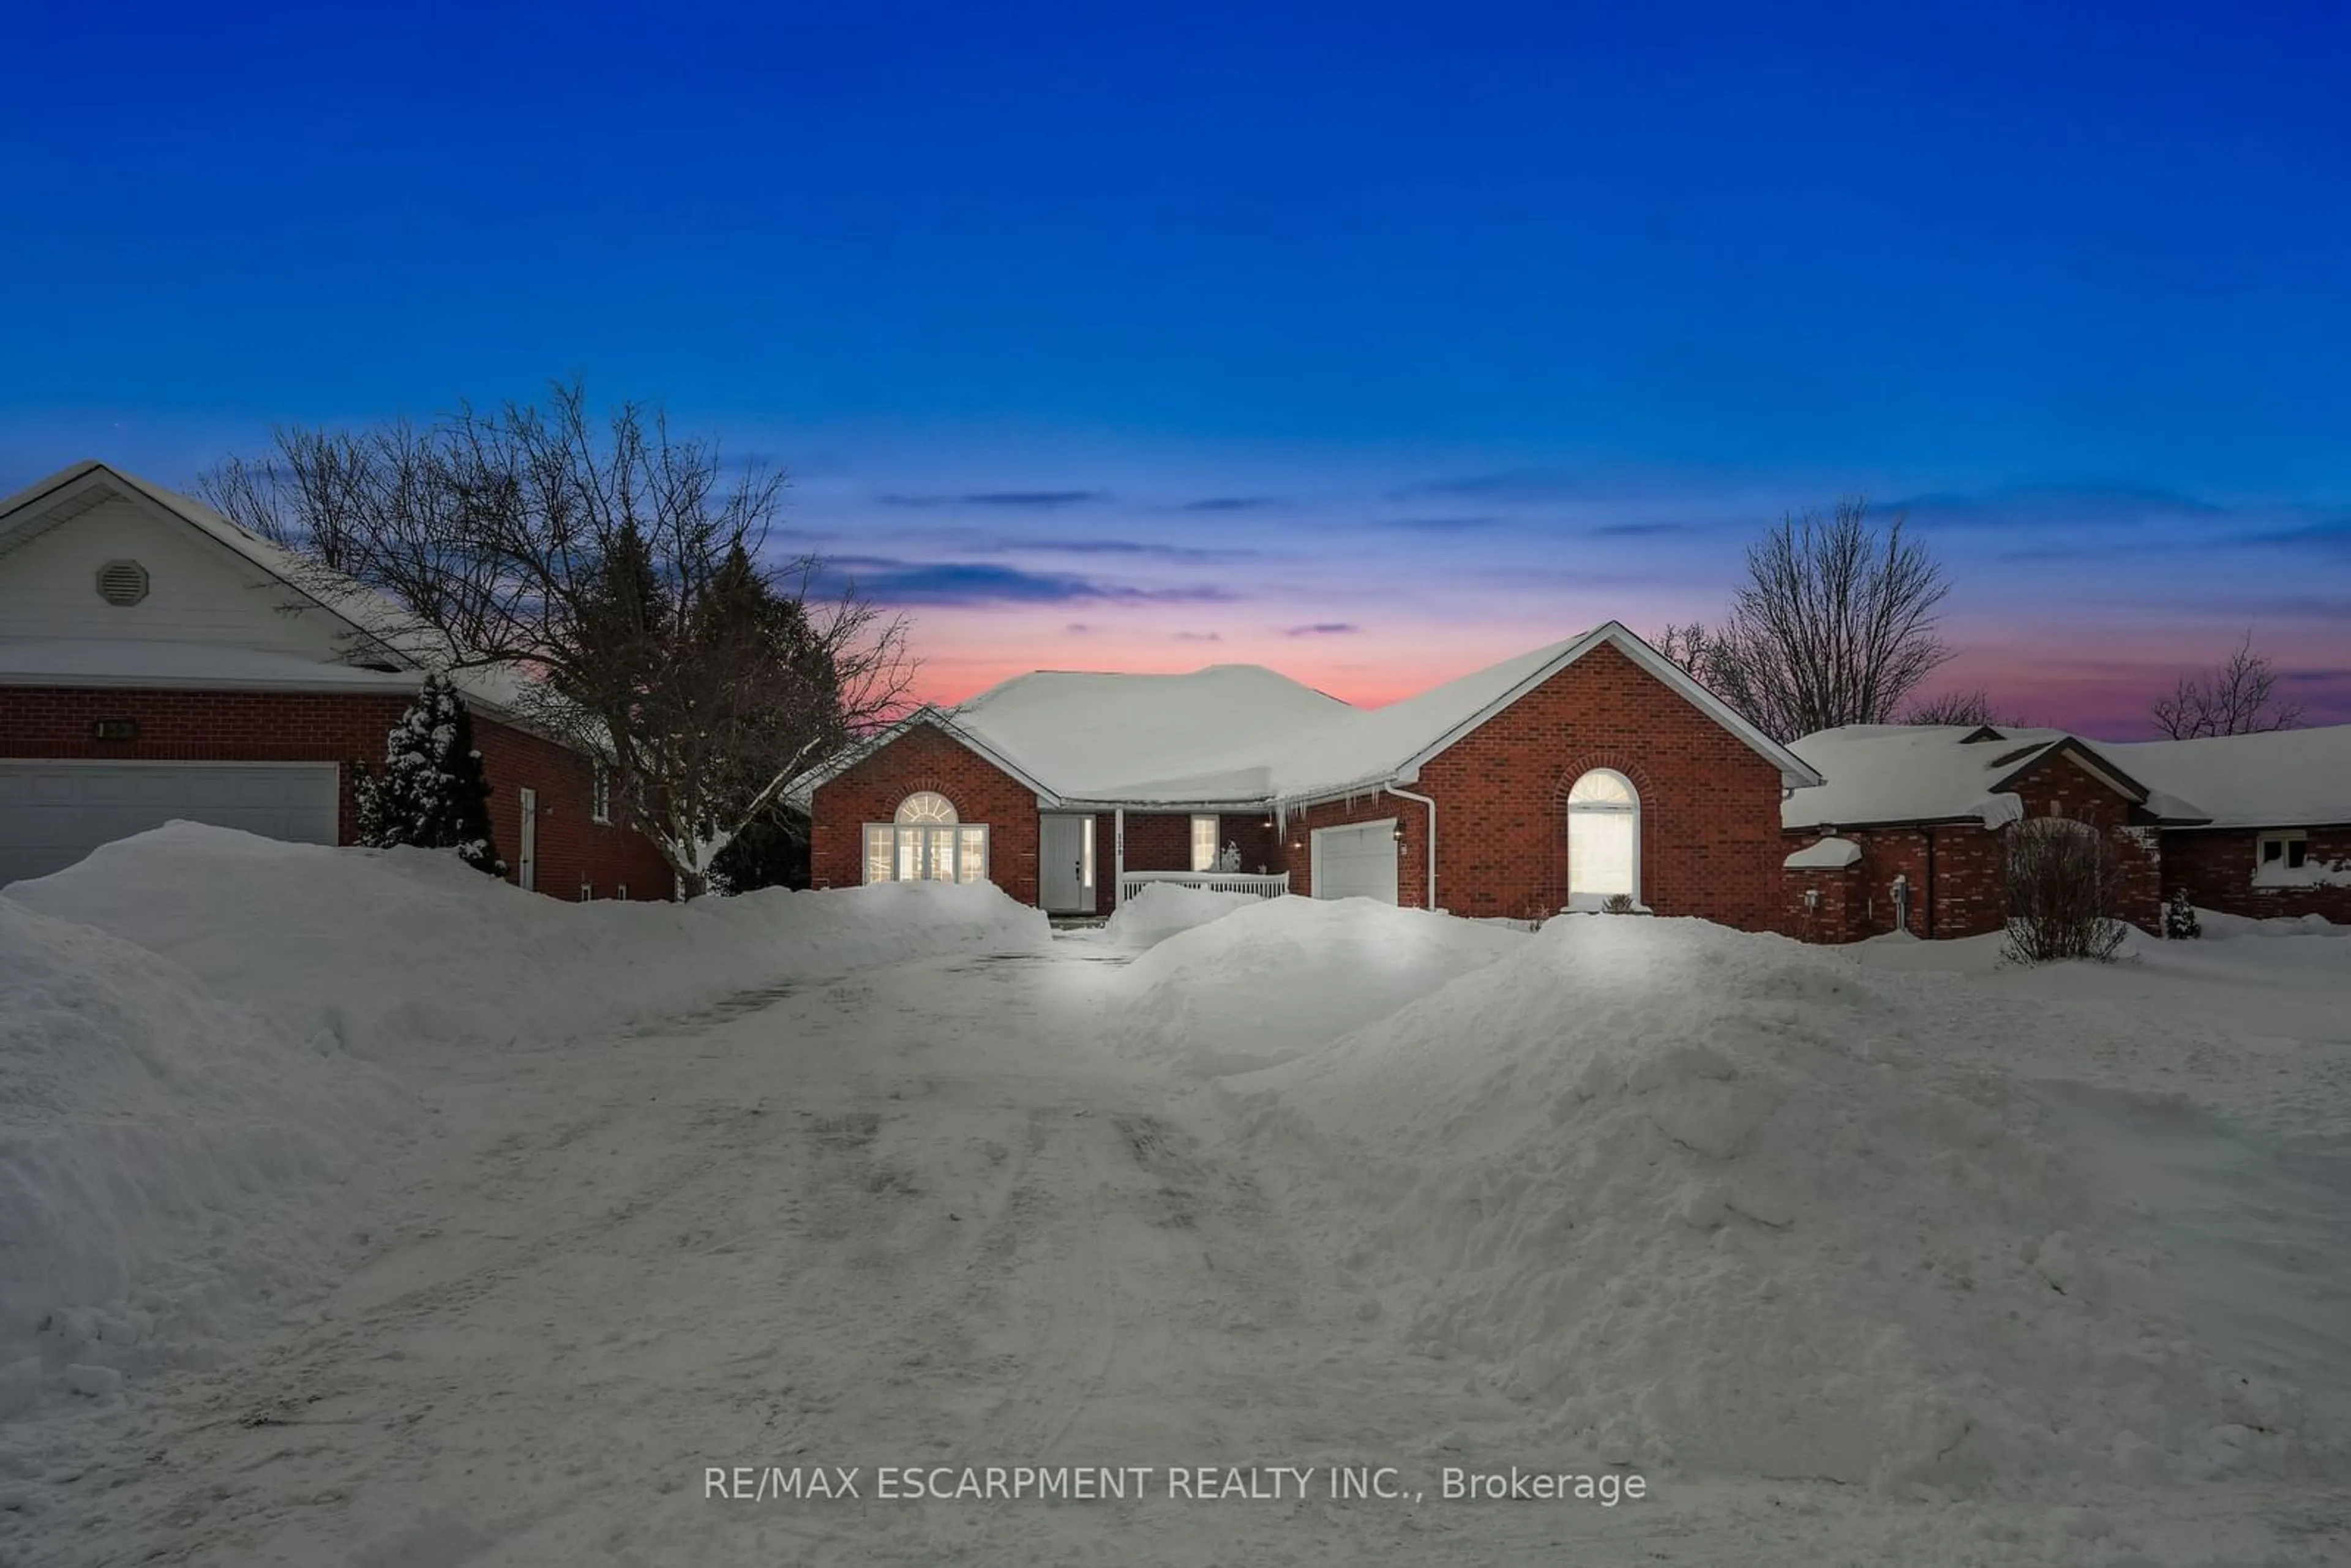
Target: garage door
[
  {"x": 1358, "y": 861},
  {"x": 53, "y": 813}
]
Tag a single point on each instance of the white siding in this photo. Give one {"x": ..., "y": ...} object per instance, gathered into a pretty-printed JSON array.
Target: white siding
[{"x": 197, "y": 591}]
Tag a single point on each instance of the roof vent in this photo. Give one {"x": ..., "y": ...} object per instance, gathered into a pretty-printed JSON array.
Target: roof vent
[{"x": 122, "y": 583}]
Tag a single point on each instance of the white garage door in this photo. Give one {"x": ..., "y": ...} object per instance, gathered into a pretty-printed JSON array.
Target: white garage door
[
  {"x": 1358, "y": 861},
  {"x": 53, "y": 813}
]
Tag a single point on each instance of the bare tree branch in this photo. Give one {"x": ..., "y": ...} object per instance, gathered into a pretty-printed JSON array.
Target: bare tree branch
[
  {"x": 2240, "y": 698},
  {"x": 1834, "y": 626},
  {"x": 617, "y": 565}
]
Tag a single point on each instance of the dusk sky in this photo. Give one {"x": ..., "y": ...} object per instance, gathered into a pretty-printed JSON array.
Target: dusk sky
[{"x": 1371, "y": 344}]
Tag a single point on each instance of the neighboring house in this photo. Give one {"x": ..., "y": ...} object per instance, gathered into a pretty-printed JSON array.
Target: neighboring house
[
  {"x": 1553, "y": 781},
  {"x": 159, "y": 662},
  {"x": 1909, "y": 832}
]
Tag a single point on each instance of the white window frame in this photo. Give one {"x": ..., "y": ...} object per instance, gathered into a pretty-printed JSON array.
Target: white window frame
[
  {"x": 599, "y": 793},
  {"x": 1213, "y": 846},
  {"x": 1595, "y": 900},
  {"x": 2287, "y": 840},
  {"x": 909, "y": 850}
]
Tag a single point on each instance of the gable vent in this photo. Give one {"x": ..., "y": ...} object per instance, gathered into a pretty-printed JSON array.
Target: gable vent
[{"x": 123, "y": 582}]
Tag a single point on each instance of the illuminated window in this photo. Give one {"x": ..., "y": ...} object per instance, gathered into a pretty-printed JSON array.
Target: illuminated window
[
  {"x": 926, "y": 843},
  {"x": 1604, "y": 840},
  {"x": 1203, "y": 843}
]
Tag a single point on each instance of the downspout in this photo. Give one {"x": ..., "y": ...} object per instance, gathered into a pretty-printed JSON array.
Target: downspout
[
  {"x": 1431, "y": 805},
  {"x": 1118, "y": 856},
  {"x": 1930, "y": 884}
]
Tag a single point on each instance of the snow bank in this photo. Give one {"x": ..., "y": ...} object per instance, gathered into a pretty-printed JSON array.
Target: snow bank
[
  {"x": 1161, "y": 909},
  {"x": 385, "y": 949},
  {"x": 2221, "y": 927},
  {"x": 173, "y": 1168},
  {"x": 1735, "y": 1203},
  {"x": 1281, "y": 976}
]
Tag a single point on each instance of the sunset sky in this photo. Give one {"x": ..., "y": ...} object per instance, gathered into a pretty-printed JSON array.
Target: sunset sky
[{"x": 1372, "y": 343}]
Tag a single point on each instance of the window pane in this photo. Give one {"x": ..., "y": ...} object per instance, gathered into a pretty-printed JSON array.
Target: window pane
[
  {"x": 1600, "y": 787},
  {"x": 2271, "y": 849},
  {"x": 2297, "y": 852},
  {"x": 940, "y": 866},
  {"x": 910, "y": 854},
  {"x": 971, "y": 854},
  {"x": 1600, "y": 852},
  {"x": 927, "y": 806},
  {"x": 877, "y": 853},
  {"x": 1204, "y": 842}
]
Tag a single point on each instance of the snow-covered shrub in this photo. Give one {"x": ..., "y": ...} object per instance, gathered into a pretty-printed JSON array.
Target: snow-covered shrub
[
  {"x": 1617, "y": 903},
  {"x": 433, "y": 792},
  {"x": 2179, "y": 921},
  {"x": 2063, "y": 887}
]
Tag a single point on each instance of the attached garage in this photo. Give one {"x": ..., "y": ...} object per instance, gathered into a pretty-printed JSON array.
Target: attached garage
[
  {"x": 1358, "y": 861},
  {"x": 54, "y": 813}
]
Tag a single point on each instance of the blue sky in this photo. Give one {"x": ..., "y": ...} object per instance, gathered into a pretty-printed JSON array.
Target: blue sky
[{"x": 1374, "y": 344}]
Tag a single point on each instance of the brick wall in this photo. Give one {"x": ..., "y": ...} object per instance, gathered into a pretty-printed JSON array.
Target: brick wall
[
  {"x": 54, "y": 723},
  {"x": 1831, "y": 917},
  {"x": 926, "y": 758},
  {"x": 2216, "y": 866},
  {"x": 1710, "y": 842},
  {"x": 1956, "y": 871}
]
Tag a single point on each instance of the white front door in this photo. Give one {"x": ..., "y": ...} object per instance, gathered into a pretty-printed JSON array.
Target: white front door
[
  {"x": 526, "y": 857},
  {"x": 1358, "y": 861},
  {"x": 53, "y": 813},
  {"x": 1065, "y": 864}
]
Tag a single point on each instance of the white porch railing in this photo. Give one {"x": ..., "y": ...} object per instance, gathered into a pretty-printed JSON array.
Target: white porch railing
[{"x": 1133, "y": 882}]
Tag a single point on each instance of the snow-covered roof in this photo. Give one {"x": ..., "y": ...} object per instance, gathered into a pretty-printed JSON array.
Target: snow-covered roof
[
  {"x": 1244, "y": 734},
  {"x": 1921, "y": 773},
  {"x": 379, "y": 631},
  {"x": 1202, "y": 737},
  {"x": 2289, "y": 778},
  {"x": 90, "y": 661},
  {"x": 1828, "y": 855}
]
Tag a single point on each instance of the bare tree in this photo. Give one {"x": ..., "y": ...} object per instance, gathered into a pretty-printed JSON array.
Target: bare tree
[
  {"x": 2237, "y": 698},
  {"x": 1956, "y": 707},
  {"x": 619, "y": 568},
  {"x": 2062, "y": 887},
  {"x": 1834, "y": 626}
]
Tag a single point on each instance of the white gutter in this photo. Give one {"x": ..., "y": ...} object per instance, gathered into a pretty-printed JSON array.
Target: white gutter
[{"x": 1424, "y": 800}]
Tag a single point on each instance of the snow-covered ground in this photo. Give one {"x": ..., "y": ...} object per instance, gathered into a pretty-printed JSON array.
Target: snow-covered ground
[{"x": 1884, "y": 1256}]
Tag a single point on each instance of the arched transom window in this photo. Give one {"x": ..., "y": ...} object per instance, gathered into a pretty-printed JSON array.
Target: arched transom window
[
  {"x": 925, "y": 841},
  {"x": 1604, "y": 840}
]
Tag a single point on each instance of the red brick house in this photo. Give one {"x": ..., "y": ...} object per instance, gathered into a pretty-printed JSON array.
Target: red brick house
[
  {"x": 159, "y": 662},
  {"x": 1591, "y": 768},
  {"x": 1909, "y": 832}
]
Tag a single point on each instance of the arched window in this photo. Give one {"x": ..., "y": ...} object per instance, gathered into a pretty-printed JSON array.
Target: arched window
[
  {"x": 1604, "y": 840},
  {"x": 925, "y": 841}
]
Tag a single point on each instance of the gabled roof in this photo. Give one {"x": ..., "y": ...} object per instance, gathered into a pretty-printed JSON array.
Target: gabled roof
[
  {"x": 1890, "y": 774},
  {"x": 1245, "y": 736},
  {"x": 2285, "y": 778},
  {"x": 380, "y": 631}
]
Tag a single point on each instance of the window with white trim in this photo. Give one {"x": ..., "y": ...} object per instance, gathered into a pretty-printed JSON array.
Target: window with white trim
[
  {"x": 1205, "y": 846},
  {"x": 2284, "y": 851},
  {"x": 1604, "y": 840},
  {"x": 599, "y": 794},
  {"x": 928, "y": 842}
]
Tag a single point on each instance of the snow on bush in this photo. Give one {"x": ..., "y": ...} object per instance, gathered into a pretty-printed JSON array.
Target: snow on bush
[
  {"x": 1281, "y": 976},
  {"x": 1161, "y": 909},
  {"x": 173, "y": 1168},
  {"x": 384, "y": 949},
  {"x": 1727, "y": 1202}
]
